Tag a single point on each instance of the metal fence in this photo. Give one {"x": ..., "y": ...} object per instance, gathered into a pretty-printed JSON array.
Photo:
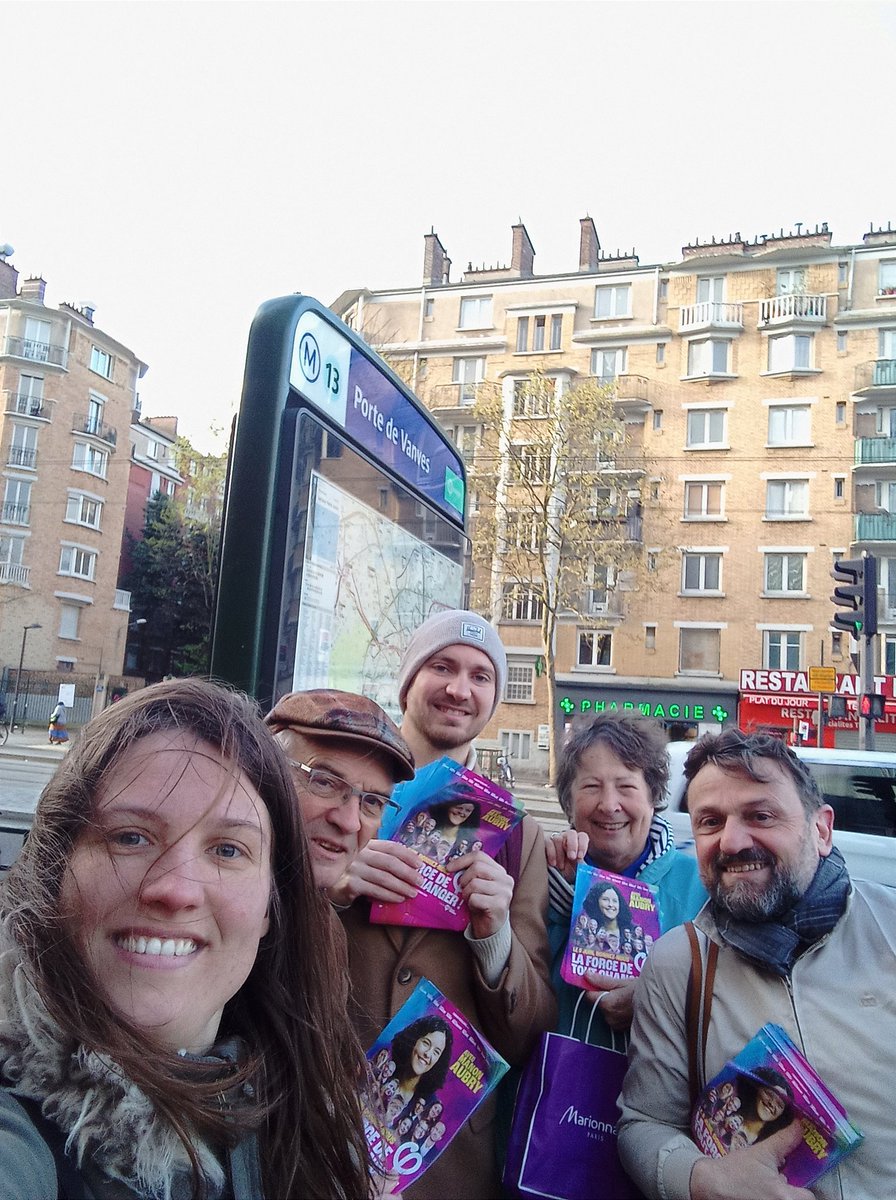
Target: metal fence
[{"x": 39, "y": 692}]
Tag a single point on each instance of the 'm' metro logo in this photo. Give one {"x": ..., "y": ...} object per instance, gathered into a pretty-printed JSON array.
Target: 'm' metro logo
[{"x": 309, "y": 357}]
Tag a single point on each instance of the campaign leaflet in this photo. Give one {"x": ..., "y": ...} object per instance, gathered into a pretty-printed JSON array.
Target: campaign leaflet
[
  {"x": 764, "y": 1089},
  {"x": 615, "y": 922},
  {"x": 447, "y": 810},
  {"x": 429, "y": 1069}
]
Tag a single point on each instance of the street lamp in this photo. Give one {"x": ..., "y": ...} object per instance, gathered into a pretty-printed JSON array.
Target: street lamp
[{"x": 15, "y": 695}]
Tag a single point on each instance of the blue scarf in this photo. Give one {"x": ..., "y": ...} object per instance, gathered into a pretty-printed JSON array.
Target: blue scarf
[{"x": 776, "y": 945}]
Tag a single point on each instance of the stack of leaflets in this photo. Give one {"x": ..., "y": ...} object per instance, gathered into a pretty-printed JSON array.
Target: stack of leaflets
[
  {"x": 429, "y": 1069},
  {"x": 615, "y": 922},
  {"x": 764, "y": 1089},
  {"x": 445, "y": 811}
]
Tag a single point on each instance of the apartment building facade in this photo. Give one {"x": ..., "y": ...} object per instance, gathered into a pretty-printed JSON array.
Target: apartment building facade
[
  {"x": 153, "y": 470},
  {"x": 68, "y": 392},
  {"x": 757, "y": 378}
]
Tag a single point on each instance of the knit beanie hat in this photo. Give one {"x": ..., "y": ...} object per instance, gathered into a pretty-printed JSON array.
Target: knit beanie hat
[{"x": 455, "y": 627}]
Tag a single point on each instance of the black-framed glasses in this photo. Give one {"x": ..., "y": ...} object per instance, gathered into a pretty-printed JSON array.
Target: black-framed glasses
[{"x": 327, "y": 786}]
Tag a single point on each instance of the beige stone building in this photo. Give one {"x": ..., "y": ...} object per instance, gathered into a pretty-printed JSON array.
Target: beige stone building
[
  {"x": 68, "y": 394},
  {"x": 758, "y": 379}
]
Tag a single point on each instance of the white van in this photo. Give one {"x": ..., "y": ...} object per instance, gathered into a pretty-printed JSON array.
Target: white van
[{"x": 860, "y": 786}]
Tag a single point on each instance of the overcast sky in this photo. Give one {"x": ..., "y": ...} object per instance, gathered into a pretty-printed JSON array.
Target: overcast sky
[{"x": 178, "y": 163}]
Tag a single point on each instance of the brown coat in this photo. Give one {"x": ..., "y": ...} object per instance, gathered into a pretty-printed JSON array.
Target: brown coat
[{"x": 387, "y": 962}]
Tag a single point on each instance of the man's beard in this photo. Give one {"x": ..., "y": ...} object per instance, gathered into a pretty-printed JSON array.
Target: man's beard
[{"x": 743, "y": 900}]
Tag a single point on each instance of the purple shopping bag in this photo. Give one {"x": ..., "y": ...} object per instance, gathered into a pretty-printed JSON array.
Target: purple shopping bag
[{"x": 563, "y": 1138}]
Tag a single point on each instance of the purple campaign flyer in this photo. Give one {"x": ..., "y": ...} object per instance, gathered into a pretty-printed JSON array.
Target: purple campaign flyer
[
  {"x": 429, "y": 1070},
  {"x": 445, "y": 812},
  {"x": 765, "y": 1088},
  {"x": 615, "y": 922}
]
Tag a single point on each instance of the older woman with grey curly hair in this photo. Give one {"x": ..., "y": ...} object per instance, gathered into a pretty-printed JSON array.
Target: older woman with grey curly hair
[{"x": 611, "y": 785}]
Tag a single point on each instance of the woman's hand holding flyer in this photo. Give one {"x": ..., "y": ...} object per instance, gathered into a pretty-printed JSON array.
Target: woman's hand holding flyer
[{"x": 565, "y": 851}]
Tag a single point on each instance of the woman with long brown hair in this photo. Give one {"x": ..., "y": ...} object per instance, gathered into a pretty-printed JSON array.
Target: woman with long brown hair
[{"x": 171, "y": 1020}]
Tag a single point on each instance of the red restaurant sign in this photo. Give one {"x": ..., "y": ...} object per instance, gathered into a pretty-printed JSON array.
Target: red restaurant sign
[{"x": 783, "y": 699}]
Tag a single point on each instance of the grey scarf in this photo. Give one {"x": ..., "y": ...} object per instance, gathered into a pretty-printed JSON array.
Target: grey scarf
[{"x": 109, "y": 1124}]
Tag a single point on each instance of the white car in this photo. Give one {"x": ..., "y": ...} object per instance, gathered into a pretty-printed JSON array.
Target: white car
[{"x": 860, "y": 785}]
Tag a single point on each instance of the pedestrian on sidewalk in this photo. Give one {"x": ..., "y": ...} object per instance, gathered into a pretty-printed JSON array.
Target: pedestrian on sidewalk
[{"x": 58, "y": 725}]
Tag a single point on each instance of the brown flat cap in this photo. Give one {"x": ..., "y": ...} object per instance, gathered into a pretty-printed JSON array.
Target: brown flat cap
[{"x": 325, "y": 712}]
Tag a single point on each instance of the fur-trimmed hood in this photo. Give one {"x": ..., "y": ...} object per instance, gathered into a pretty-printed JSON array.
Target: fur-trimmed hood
[{"x": 110, "y": 1125}]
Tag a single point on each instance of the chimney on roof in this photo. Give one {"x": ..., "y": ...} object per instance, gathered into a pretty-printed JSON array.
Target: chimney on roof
[
  {"x": 34, "y": 288},
  {"x": 436, "y": 263},
  {"x": 589, "y": 245},
  {"x": 523, "y": 258},
  {"x": 166, "y": 425},
  {"x": 9, "y": 277}
]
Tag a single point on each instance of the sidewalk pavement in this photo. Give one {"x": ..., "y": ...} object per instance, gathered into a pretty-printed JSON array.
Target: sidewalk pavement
[{"x": 32, "y": 742}]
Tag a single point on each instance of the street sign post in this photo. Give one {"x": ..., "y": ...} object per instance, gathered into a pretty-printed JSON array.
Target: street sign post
[{"x": 822, "y": 679}]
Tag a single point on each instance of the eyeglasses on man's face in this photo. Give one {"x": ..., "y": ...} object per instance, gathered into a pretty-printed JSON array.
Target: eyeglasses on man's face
[{"x": 327, "y": 786}]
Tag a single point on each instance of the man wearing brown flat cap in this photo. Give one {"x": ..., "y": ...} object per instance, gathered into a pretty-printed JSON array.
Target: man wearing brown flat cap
[{"x": 346, "y": 757}]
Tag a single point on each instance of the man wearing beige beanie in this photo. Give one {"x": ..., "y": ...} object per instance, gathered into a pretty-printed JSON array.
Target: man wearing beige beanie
[{"x": 450, "y": 682}]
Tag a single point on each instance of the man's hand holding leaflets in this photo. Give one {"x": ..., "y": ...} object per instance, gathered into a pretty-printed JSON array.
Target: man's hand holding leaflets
[
  {"x": 434, "y": 863},
  {"x": 754, "y": 1171},
  {"x": 768, "y": 1099}
]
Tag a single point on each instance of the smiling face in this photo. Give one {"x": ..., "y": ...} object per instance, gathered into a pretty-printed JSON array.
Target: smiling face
[
  {"x": 757, "y": 848},
  {"x": 458, "y": 813},
  {"x": 336, "y": 832},
  {"x": 769, "y": 1104},
  {"x": 167, "y": 890},
  {"x": 609, "y": 905},
  {"x": 427, "y": 1051},
  {"x": 448, "y": 703},
  {"x": 611, "y": 804}
]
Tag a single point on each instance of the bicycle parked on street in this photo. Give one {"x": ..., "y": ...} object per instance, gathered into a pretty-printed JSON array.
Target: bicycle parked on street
[{"x": 506, "y": 770}]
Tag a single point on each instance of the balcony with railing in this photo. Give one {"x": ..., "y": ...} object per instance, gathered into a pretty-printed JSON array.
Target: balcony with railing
[
  {"x": 17, "y": 573},
  {"x": 34, "y": 351},
  {"x": 873, "y": 378},
  {"x": 711, "y": 314},
  {"x": 24, "y": 405},
  {"x": 875, "y": 527},
  {"x": 456, "y": 395},
  {"x": 875, "y": 450},
  {"x": 602, "y": 602},
  {"x": 22, "y": 456},
  {"x": 799, "y": 308},
  {"x": 15, "y": 514},
  {"x": 82, "y": 424},
  {"x": 632, "y": 394}
]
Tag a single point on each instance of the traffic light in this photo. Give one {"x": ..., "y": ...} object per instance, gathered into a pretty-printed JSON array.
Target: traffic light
[
  {"x": 871, "y": 705},
  {"x": 857, "y": 594},
  {"x": 837, "y": 706}
]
